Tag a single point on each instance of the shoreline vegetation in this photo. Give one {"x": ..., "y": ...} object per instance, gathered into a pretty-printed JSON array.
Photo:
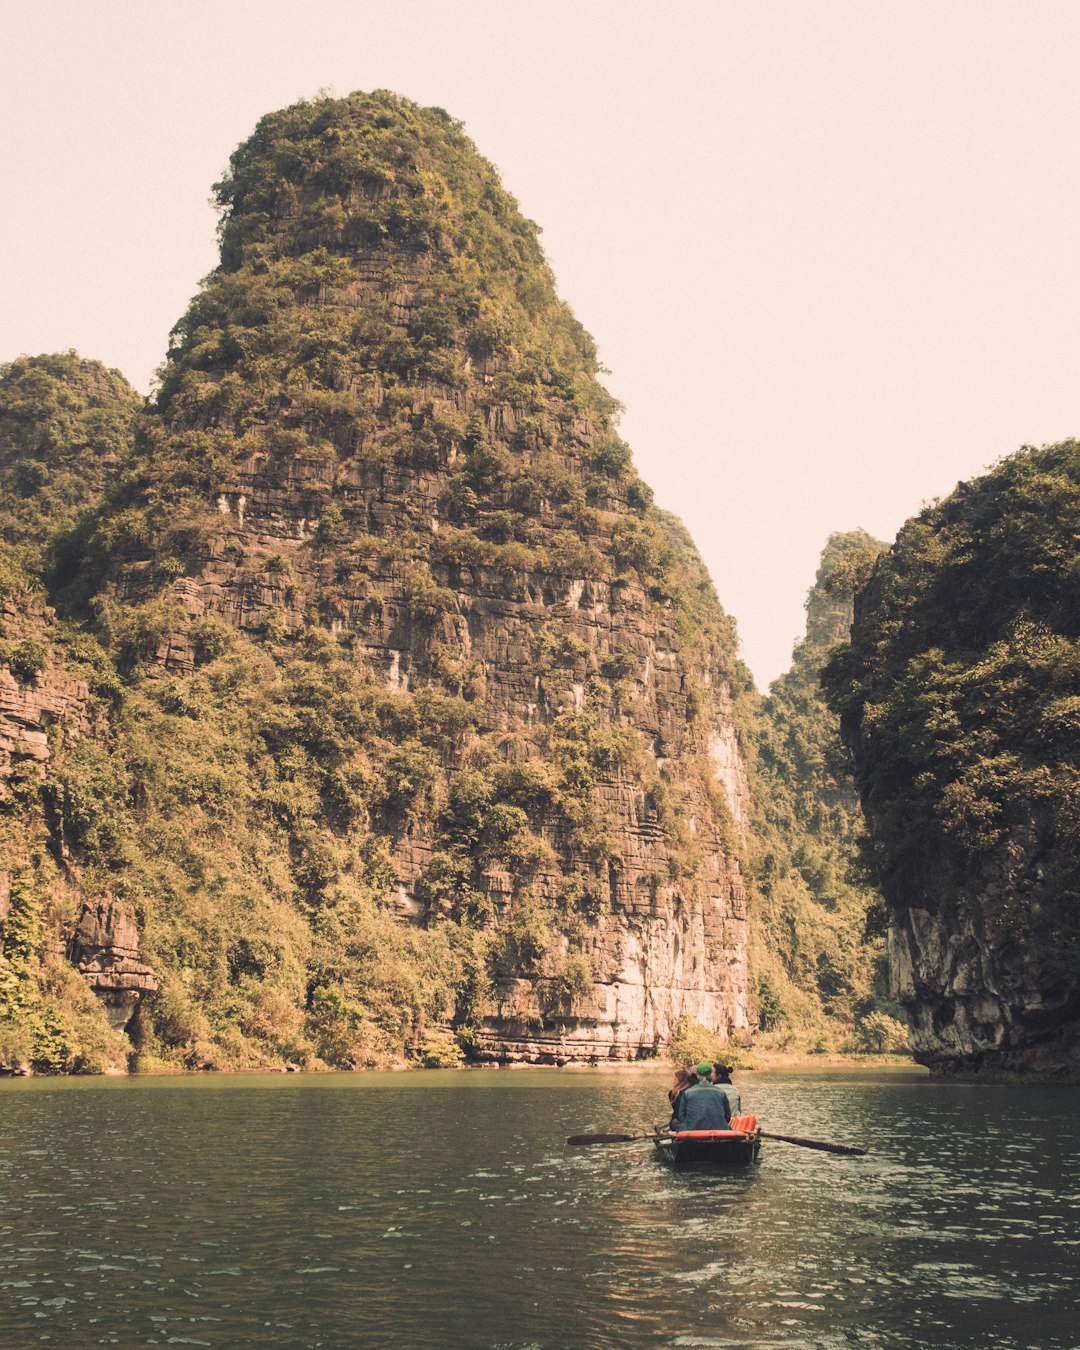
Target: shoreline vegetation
[{"x": 763, "y": 1062}]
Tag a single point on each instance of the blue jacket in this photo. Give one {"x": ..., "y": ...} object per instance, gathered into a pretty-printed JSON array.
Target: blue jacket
[{"x": 703, "y": 1107}]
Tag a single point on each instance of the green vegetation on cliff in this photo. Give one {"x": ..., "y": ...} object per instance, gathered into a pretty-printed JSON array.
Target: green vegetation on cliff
[
  {"x": 960, "y": 697},
  {"x": 65, "y": 425},
  {"x": 380, "y": 295},
  {"x": 818, "y": 955}
]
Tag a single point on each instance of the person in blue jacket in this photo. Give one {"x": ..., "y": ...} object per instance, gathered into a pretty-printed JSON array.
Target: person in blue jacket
[{"x": 703, "y": 1106}]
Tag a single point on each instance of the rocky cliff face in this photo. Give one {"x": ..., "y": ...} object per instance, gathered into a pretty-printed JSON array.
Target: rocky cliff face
[
  {"x": 35, "y": 694},
  {"x": 32, "y": 698},
  {"x": 379, "y": 427},
  {"x": 977, "y": 997},
  {"x": 105, "y": 949},
  {"x": 959, "y": 694},
  {"x": 988, "y": 981}
]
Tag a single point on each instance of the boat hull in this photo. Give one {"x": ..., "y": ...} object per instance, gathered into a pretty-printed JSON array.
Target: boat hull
[{"x": 713, "y": 1148}]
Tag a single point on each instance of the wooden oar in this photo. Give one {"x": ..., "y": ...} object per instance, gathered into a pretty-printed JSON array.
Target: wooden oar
[
  {"x": 816, "y": 1143},
  {"x": 823, "y": 1145}
]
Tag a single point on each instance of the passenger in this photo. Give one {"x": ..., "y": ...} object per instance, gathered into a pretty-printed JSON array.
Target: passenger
[
  {"x": 721, "y": 1076},
  {"x": 703, "y": 1106},
  {"x": 683, "y": 1079}
]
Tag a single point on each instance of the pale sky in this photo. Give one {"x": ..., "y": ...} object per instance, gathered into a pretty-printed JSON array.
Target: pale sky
[{"x": 828, "y": 250}]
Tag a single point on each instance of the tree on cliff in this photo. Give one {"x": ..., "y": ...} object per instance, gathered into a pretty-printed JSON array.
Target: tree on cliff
[
  {"x": 959, "y": 695},
  {"x": 65, "y": 426}
]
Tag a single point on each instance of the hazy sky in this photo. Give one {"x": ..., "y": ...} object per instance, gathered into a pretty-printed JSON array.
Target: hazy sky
[{"x": 828, "y": 250}]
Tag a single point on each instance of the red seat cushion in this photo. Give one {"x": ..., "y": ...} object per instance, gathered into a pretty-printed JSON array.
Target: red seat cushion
[{"x": 748, "y": 1124}]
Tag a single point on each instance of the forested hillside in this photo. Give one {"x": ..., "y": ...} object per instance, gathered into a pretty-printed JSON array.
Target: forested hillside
[
  {"x": 960, "y": 699},
  {"x": 66, "y": 425},
  {"x": 818, "y": 952}
]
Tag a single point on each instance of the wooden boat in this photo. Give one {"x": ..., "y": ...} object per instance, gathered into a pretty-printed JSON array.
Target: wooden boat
[{"x": 737, "y": 1146}]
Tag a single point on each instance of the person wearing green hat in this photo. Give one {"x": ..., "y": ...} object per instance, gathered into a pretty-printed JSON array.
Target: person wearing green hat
[{"x": 703, "y": 1106}]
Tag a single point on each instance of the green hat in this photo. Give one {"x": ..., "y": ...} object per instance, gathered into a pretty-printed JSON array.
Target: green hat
[{"x": 704, "y": 1069}]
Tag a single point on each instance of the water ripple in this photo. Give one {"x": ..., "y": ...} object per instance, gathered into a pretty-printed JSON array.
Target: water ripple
[{"x": 261, "y": 1212}]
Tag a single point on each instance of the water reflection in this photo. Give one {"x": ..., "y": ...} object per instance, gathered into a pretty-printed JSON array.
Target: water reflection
[{"x": 444, "y": 1209}]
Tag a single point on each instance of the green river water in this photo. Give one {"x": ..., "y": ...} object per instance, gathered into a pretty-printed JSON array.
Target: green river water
[{"x": 444, "y": 1209}]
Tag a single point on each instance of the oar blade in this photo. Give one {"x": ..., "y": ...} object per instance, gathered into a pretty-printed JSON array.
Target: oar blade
[{"x": 821, "y": 1144}]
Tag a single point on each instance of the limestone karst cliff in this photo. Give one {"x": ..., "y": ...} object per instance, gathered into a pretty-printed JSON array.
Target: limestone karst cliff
[
  {"x": 424, "y": 734},
  {"x": 959, "y": 695}
]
